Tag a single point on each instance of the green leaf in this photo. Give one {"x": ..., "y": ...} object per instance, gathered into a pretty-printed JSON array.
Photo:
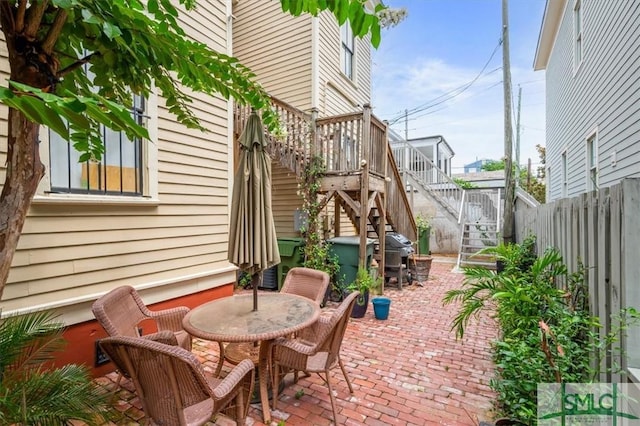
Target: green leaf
[
  {"x": 153, "y": 7},
  {"x": 110, "y": 30},
  {"x": 169, "y": 8},
  {"x": 48, "y": 117},
  {"x": 89, "y": 17},
  {"x": 343, "y": 11}
]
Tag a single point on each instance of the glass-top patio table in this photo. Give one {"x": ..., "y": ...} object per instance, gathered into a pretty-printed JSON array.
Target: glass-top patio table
[{"x": 232, "y": 319}]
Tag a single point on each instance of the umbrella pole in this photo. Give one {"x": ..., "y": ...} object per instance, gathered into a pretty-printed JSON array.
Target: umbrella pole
[{"x": 255, "y": 280}]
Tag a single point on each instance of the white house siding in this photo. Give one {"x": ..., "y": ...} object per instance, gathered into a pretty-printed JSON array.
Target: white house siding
[
  {"x": 277, "y": 48},
  {"x": 601, "y": 95},
  {"x": 339, "y": 94},
  {"x": 71, "y": 252}
]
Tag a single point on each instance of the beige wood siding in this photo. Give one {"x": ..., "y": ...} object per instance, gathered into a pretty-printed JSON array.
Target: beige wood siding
[
  {"x": 277, "y": 48},
  {"x": 71, "y": 251},
  {"x": 339, "y": 94},
  {"x": 285, "y": 200}
]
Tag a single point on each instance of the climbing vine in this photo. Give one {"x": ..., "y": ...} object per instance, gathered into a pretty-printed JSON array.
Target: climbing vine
[{"x": 316, "y": 250}]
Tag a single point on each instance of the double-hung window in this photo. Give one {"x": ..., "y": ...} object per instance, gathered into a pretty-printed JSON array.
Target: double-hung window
[
  {"x": 577, "y": 34},
  {"x": 347, "y": 50},
  {"x": 564, "y": 174}
]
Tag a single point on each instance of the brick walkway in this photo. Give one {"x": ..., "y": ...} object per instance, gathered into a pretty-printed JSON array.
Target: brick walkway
[{"x": 407, "y": 370}]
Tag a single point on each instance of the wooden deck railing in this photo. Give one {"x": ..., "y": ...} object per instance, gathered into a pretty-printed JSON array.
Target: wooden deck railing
[
  {"x": 342, "y": 142},
  {"x": 400, "y": 214},
  {"x": 293, "y": 147}
]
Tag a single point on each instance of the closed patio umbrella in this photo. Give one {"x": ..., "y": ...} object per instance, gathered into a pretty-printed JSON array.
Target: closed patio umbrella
[{"x": 253, "y": 244}]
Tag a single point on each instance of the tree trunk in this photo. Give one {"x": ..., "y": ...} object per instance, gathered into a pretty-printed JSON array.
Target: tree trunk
[{"x": 24, "y": 171}]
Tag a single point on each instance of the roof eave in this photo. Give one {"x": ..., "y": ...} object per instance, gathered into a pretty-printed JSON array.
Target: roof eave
[{"x": 553, "y": 12}]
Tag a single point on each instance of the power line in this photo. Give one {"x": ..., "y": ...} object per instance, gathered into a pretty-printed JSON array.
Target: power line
[
  {"x": 447, "y": 106},
  {"x": 452, "y": 93}
]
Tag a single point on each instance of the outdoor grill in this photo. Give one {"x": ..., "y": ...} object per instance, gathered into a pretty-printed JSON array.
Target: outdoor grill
[
  {"x": 397, "y": 249},
  {"x": 398, "y": 242}
]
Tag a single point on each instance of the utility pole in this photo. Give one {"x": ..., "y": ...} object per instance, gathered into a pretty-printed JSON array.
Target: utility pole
[
  {"x": 406, "y": 125},
  {"x": 517, "y": 178},
  {"x": 508, "y": 225}
]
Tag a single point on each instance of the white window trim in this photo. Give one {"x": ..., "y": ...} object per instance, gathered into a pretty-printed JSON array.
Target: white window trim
[
  {"x": 564, "y": 173},
  {"x": 592, "y": 136},
  {"x": 354, "y": 54},
  {"x": 150, "y": 172},
  {"x": 548, "y": 183},
  {"x": 577, "y": 38}
]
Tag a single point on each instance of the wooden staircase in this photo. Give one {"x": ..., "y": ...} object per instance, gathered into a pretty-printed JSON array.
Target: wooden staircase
[{"x": 361, "y": 174}]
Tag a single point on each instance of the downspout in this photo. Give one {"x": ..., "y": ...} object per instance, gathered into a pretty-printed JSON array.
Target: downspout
[
  {"x": 230, "y": 107},
  {"x": 315, "y": 63}
]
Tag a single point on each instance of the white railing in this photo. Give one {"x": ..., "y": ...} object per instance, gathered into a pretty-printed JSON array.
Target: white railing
[{"x": 420, "y": 167}]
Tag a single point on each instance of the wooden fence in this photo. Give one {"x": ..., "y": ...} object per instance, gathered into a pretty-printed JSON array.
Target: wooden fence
[{"x": 600, "y": 229}]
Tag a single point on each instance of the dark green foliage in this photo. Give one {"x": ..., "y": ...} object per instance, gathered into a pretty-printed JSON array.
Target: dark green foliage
[
  {"x": 547, "y": 332},
  {"x": 33, "y": 394},
  {"x": 317, "y": 253}
]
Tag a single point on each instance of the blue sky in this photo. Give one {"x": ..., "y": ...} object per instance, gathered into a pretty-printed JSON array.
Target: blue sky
[{"x": 442, "y": 46}]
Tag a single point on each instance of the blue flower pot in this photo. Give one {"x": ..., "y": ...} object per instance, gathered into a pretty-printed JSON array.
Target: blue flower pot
[{"x": 381, "y": 307}]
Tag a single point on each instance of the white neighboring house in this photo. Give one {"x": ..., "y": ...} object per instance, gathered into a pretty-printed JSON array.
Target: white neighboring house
[
  {"x": 590, "y": 51},
  {"x": 435, "y": 148}
]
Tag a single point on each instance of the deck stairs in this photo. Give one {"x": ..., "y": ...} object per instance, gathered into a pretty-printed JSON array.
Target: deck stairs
[
  {"x": 361, "y": 173},
  {"x": 475, "y": 211}
]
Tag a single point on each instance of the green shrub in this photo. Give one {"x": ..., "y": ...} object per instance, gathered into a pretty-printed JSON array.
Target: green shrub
[{"x": 547, "y": 333}]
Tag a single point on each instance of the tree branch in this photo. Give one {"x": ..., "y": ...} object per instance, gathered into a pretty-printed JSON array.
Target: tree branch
[
  {"x": 7, "y": 18},
  {"x": 54, "y": 32},
  {"x": 20, "y": 14},
  {"x": 34, "y": 17},
  {"x": 74, "y": 66}
]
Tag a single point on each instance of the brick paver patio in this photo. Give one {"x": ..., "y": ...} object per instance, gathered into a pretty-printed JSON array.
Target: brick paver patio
[{"x": 406, "y": 370}]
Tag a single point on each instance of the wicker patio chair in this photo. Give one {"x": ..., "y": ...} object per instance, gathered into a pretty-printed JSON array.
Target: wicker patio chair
[
  {"x": 171, "y": 383},
  {"x": 306, "y": 282},
  {"x": 121, "y": 311},
  {"x": 318, "y": 351}
]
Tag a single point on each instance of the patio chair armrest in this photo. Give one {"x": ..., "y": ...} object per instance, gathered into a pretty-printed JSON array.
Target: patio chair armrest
[
  {"x": 242, "y": 374},
  {"x": 316, "y": 331},
  {"x": 300, "y": 346},
  {"x": 170, "y": 319},
  {"x": 165, "y": 336}
]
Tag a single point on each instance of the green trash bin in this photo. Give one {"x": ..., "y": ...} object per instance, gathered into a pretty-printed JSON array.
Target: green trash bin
[
  {"x": 423, "y": 240},
  {"x": 291, "y": 255},
  {"x": 347, "y": 249}
]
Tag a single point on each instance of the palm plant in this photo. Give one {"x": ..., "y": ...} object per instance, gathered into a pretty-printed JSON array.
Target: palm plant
[{"x": 33, "y": 393}]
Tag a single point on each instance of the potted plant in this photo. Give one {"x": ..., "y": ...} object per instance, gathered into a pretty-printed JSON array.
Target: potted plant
[
  {"x": 424, "y": 233},
  {"x": 363, "y": 283},
  {"x": 420, "y": 263}
]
